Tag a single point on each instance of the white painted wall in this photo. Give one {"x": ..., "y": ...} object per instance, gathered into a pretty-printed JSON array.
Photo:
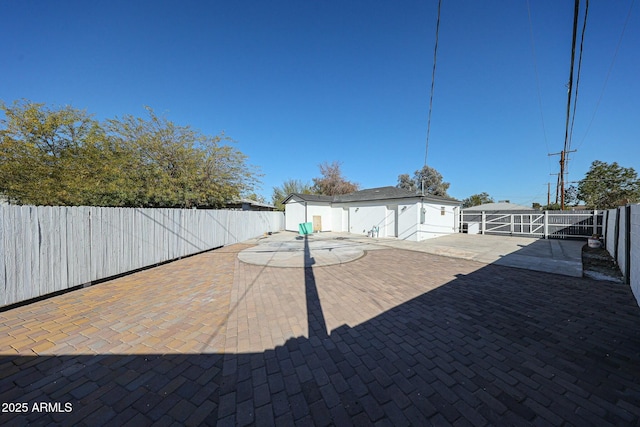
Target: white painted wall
[
  {"x": 408, "y": 214},
  {"x": 391, "y": 219},
  {"x": 322, "y": 210},
  {"x": 363, "y": 216},
  {"x": 435, "y": 223},
  {"x": 336, "y": 219},
  {"x": 345, "y": 219},
  {"x": 296, "y": 210},
  {"x": 294, "y": 214}
]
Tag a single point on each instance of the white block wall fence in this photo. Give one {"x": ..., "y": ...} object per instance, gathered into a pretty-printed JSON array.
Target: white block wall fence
[
  {"x": 622, "y": 240},
  {"x": 634, "y": 270},
  {"x": 47, "y": 249}
]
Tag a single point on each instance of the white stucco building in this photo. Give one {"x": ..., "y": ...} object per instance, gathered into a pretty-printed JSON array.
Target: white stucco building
[{"x": 391, "y": 211}]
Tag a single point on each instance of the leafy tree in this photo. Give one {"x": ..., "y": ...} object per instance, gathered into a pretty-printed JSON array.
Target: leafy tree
[
  {"x": 65, "y": 157},
  {"x": 255, "y": 197},
  {"x": 536, "y": 205},
  {"x": 331, "y": 182},
  {"x": 177, "y": 166},
  {"x": 552, "y": 207},
  {"x": 406, "y": 183},
  {"x": 427, "y": 176},
  {"x": 477, "y": 199},
  {"x": 607, "y": 186},
  {"x": 288, "y": 187},
  {"x": 48, "y": 156},
  {"x": 571, "y": 195}
]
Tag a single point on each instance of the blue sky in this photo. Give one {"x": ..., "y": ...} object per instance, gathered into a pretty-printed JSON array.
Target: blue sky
[{"x": 299, "y": 82}]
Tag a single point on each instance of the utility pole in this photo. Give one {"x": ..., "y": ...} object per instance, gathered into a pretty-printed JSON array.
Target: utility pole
[
  {"x": 548, "y": 194},
  {"x": 560, "y": 187},
  {"x": 567, "y": 140},
  {"x": 562, "y": 180},
  {"x": 557, "y": 188}
]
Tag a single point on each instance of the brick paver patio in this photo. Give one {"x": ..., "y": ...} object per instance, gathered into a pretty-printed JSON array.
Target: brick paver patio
[{"x": 394, "y": 338}]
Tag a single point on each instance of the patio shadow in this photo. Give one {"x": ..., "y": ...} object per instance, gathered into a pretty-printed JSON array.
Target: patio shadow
[{"x": 497, "y": 346}]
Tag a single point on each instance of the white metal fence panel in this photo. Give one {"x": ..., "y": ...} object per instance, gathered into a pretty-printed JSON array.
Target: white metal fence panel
[
  {"x": 47, "y": 249},
  {"x": 527, "y": 224},
  {"x": 548, "y": 224},
  {"x": 574, "y": 224}
]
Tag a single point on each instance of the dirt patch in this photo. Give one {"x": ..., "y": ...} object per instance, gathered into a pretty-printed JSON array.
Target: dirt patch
[{"x": 598, "y": 264}]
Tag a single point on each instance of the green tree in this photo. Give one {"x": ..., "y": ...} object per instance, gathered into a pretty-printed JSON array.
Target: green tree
[
  {"x": 288, "y": 187},
  {"x": 552, "y": 207},
  {"x": 48, "y": 156},
  {"x": 606, "y": 186},
  {"x": 331, "y": 182},
  {"x": 477, "y": 199},
  {"x": 406, "y": 183},
  {"x": 177, "y": 166},
  {"x": 571, "y": 195},
  {"x": 62, "y": 156},
  {"x": 255, "y": 197},
  {"x": 427, "y": 178}
]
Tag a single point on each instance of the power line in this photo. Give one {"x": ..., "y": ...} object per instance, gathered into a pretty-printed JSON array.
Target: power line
[
  {"x": 573, "y": 56},
  {"x": 433, "y": 80},
  {"x": 560, "y": 187},
  {"x": 606, "y": 80},
  {"x": 575, "y": 101}
]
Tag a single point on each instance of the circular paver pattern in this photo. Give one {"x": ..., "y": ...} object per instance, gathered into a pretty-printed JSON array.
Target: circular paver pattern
[{"x": 302, "y": 252}]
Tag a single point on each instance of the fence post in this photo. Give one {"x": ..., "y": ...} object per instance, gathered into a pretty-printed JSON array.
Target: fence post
[
  {"x": 546, "y": 224},
  {"x": 595, "y": 221},
  {"x": 511, "y": 223},
  {"x": 605, "y": 226},
  {"x": 484, "y": 219}
]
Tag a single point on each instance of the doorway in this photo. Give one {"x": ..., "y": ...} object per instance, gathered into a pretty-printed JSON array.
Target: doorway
[{"x": 317, "y": 223}]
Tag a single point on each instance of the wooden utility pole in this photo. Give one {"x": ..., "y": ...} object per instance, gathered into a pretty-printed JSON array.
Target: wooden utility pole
[
  {"x": 560, "y": 187},
  {"x": 567, "y": 138},
  {"x": 562, "y": 180}
]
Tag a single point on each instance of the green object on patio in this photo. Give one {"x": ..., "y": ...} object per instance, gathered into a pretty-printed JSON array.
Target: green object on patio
[{"x": 305, "y": 228}]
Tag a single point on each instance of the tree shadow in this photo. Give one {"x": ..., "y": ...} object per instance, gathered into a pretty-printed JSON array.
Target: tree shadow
[{"x": 497, "y": 346}]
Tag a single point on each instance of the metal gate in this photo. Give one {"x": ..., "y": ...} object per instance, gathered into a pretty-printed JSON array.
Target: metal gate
[
  {"x": 518, "y": 224},
  {"x": 547, "y": 224}
]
